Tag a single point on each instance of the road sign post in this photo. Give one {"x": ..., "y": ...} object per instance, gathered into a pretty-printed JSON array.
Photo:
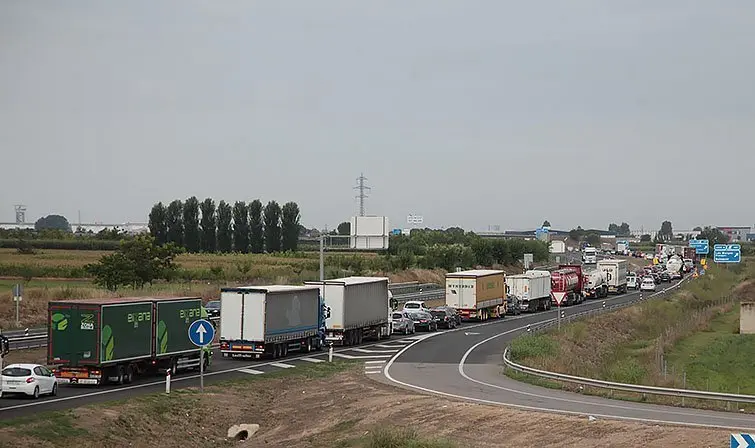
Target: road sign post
[
  {"x": 727, "y": 253},
  {"x": 18, "y": 291},
  {"x": 201, "y": 334},
  {"x": 558, "y": 297},
  {"x": 742, "y": 440},
  {"x": 702, "y": 247}
]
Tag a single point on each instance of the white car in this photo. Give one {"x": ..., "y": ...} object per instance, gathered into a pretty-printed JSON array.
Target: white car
[
  {"x": 416, "y": 305},
  {"x": 647, "y": 284},
  {"x": 29, "y": 379}
]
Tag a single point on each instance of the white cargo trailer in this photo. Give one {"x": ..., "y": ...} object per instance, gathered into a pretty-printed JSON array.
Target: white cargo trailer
[
  {"x": 533, "y": 288},
  {"x": 616, "y": 274},
  {"x": 270, "y": 320},
  {"x": 359, "y": 309}
]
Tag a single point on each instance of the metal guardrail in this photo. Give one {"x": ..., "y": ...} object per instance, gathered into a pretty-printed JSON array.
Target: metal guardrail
[
  {"x": 636, "y": 388},
  {"x": 652, "y": 390},
  {"x": 432, "y": 294}
]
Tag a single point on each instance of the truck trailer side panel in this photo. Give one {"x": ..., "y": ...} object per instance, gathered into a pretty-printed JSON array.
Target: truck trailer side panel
[
  {"x": 491, "y": 287},
  {"x": 126, "y": 332},
  {"x": 172, "y": 320},
  {"x": 291, "y": 312},
  {"x": 366, "y": 304}
]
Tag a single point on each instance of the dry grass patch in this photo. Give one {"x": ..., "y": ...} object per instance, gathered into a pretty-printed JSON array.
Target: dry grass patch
[{"x": 328, "y": 406}]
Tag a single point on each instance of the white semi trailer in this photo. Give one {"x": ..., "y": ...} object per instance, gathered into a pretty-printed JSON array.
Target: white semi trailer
[
  {"x": 533, "y": 289},
  {"x": 359, "y": 309}
]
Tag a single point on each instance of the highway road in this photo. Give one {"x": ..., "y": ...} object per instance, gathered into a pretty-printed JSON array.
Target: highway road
[
  {"x": 466, "y": 364},
  {"x": 374, "y": 355}
]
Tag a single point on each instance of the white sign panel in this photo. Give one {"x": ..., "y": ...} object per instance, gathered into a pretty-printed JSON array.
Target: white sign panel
[
  {"x": 414, "y": 219},
  {"x": 369, "y": 232}
]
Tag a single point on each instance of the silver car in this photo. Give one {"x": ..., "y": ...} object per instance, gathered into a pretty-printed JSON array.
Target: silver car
[{"x": 402, "y": 323}]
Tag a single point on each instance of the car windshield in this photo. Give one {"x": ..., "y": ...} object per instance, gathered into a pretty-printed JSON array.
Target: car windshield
[
  {"x": 397, "y": 315},
  {"x": 438, "y": 313},
  {"x": 16, "y": 371},
  {"x": 417, "y": 316},
  {"x": 412, "y": 305},
  {"x": 213, "y": 305}
]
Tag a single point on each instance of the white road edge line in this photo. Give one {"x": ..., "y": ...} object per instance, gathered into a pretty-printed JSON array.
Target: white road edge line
[
  {"x": 162, "y": 382},
  {"x": 387, "y": 375},
  {"x": 282, "y": 365}
]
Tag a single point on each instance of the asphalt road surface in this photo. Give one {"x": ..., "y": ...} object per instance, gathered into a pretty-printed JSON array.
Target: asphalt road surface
[
  {"x": 374, "y": 355},
  {"x": 466, "y": 364}
]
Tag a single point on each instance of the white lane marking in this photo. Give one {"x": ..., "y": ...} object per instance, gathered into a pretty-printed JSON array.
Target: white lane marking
[
  {"x": 252, "y": 371},
  {"x": 282, "y": 365},
  {"x": 154, "y": 383},
  {"x": 341, "y": 355},
  {"x": 382, "y": 361},
  {"x": 373, "y": 372},
  {"x": 366, "y": 350},
  {"x": 386, "y": 373},
  {"x": 312, "y": 360},
  {"x": 392, "y": 346}
]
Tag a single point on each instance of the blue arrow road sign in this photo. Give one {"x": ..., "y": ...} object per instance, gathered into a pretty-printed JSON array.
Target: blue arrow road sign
[
  {"x": 742, "y": 441},
  {"x": 702, "y": 247},
  {"x": 727, "y": 253},
  {"x": 201, "y": 333}
]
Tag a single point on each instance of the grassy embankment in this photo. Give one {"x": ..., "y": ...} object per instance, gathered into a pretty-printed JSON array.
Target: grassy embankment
[
  {"x": 689, "y": 339},
  {"x": 207, "y": 273},
  {"x": 189, "y": 418}
]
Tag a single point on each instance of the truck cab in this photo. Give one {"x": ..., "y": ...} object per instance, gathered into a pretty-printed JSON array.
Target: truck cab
[{"x": 590, "y": 255}]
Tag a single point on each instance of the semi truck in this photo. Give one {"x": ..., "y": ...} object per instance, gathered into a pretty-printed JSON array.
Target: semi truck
[
  {"x": 97, "y": 341},
  {"x": 359, "y": 309},
  {"x": 595, "y": 284},
  {"x": 270, "y": 321},
  {"x": 616, "y": 274},
  {"x": 533, "y": 289},
  {"x": 477, "y": 294},
  {"x": 589, "y": 255},
  {"x": 568, "y": 279},
  {"x": 622, "y": 247}
]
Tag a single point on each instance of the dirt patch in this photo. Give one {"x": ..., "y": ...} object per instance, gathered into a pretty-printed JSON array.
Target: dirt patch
[
  {"x": 32, "y": 356},
  {"x": 342, "y": 410},
  {"x": 418, "y": 275},
  {"x": 745, "y": 291}
]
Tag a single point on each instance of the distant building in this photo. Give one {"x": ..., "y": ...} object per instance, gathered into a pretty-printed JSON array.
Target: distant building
[{"x": 736, "y": 233}]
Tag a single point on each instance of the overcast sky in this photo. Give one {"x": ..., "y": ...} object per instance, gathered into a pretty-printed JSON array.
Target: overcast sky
[{"x": 469, "y": 113}]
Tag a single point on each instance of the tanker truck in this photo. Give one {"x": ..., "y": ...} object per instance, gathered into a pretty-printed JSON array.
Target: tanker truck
[
  {"x": 596, "y": 284},
  {"x": 567, "y": 279}
]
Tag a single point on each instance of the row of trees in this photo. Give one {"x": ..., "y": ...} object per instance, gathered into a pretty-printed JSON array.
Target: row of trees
[{"x": 241, "y": 227}]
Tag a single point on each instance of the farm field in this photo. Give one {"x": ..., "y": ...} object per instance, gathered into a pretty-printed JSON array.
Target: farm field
[{"x": 46, "y": 275}]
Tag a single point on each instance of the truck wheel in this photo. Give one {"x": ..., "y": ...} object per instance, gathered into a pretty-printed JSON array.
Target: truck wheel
[
  {"x": 308, "y": 346},
  {"x": 121, "y": 375},
  {"x": 129, "y": 377}
]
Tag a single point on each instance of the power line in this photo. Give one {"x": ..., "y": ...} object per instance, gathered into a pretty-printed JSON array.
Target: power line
[{"x": 363, "y": 190}]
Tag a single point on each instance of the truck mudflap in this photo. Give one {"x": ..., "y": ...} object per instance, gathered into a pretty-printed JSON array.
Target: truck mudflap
[{"x": 78, "y": 375}]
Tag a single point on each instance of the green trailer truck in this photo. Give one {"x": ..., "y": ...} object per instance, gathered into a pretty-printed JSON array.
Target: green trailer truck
[{"x": 114, "y": 340}]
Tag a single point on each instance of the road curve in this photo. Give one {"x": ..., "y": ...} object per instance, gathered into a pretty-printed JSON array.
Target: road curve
[{"x": 466, "y": 364}]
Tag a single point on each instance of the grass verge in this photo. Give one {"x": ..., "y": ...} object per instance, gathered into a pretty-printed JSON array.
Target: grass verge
[
  {"x": 136, "y": 421},
  {"x": 685, "y": 340}
]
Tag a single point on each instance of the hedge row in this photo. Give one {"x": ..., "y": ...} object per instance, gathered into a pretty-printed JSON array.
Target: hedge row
[{"x": 79, "y": 244}]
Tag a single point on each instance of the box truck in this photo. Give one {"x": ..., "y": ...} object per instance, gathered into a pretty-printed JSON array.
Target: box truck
[
  {"x": 616, "y": 274},
  {"x": 258, "y": 321},
  {"x": 477, "y": 294},
  {"x": 589, "y": 255},
  {"x": 533, "y": 288},
  {"x": 114, "y": 340},
  {"x": 360, "y": 309}
]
